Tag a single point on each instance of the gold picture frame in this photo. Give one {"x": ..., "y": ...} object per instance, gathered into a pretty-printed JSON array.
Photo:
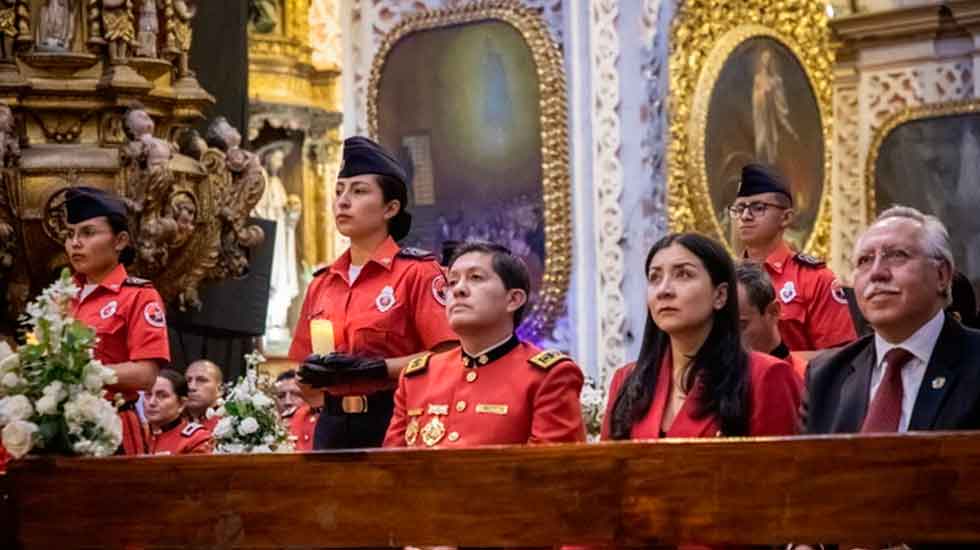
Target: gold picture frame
[
  {"x": 926, "y": 157},
  {"x": 704, "y": 38},
  {"x": 912, "y": 114},
  {"x": 556, "y": 186}
]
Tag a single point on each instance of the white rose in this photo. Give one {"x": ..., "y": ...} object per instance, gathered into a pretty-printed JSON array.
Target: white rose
[
  {"x": 5, "y": 350},
  {"x": 261, "y": 449},
  {"x": 248, "y": 426},
  {"x": 224, "y": 428},
  {"x": 18, "y": 437},
  {"x": 10, "y": 363},
  {"x": 10, "y": 380},
  {"x": 92, "y": 377},
  {"x": 269, "y": 439},
  {"x": 261, "y": 401},
  {"x": 56, "y": 389},
  {"x": 109, "y": 376},
  {"x": 14, "y": 408},
  {"x": 47, "y": 405}
]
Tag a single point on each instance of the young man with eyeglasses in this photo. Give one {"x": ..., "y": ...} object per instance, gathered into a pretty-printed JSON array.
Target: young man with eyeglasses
[{"x": 814, "y": 313}]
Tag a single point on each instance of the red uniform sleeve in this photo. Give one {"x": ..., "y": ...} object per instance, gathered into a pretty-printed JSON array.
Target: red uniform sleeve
[
  {"x": 200, "y": 443},
  {"x": 776, "y": 392},
  {"x": 395, "y": 436},
  {"x": 557, "y": 416},
  {"x": 614, "y": 387},
  {"x": 301, "y": 347},
  {"x": 828, "y": 320},
  {"x": 146, "y": 336},
  {"x": 429, "y": 306}
]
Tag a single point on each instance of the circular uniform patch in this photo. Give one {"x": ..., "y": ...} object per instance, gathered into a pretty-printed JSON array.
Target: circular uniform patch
[
  {"x": 386, "y": 299},
  {"x": 440, "y": 289},
  {"x": 108, "y": 310},
  {"x": 153, "y": 314},
  {"x": 837, "y": 292}
]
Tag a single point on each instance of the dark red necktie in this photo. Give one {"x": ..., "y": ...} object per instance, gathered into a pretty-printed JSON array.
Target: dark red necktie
[{"x": 886, "y": 408}]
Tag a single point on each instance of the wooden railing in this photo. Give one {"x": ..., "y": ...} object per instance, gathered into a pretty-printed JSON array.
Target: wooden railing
[{"x": 912, "y": 488}]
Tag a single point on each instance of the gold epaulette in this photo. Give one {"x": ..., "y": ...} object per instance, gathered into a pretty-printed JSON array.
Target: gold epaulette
[
  {"x": 548, "y": 358},
  {"x": 418, "y": 365}
]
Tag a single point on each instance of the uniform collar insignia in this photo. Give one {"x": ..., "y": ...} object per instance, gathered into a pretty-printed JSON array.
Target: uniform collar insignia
[{"x": 491, "y": 355}]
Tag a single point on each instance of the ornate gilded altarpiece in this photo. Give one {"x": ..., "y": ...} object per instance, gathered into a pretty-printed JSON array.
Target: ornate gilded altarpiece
[
  {"x": 100, "y": 93},
  {"x": 786, "y": 46},
  {"x": 498, "y": 65},
  {"x": 292, "y": 99}
]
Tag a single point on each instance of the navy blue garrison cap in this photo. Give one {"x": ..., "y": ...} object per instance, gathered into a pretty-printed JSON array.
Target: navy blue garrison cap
[
  {"x": 363, "y": 156},
  {"x": 83, "y": 203},
  {"x": 760, "y": 178}
]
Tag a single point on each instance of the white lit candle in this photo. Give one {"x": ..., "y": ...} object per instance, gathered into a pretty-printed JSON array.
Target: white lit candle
[{"x": 321, "y": 336}]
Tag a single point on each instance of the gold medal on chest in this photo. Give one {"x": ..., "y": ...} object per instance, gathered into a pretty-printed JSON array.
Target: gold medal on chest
[
  {"x": 433, "y": 432},
  {"x": 412, "y": 432}
]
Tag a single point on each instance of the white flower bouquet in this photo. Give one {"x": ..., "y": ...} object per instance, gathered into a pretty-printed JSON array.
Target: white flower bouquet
[
  {"x": 593, "y": 401},
  {"x": 249, "y": 422},
  {"x": 51, "y": 389}
]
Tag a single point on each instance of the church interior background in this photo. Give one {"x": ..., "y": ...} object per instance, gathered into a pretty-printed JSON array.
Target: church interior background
[{"x": 578, "y": 133}]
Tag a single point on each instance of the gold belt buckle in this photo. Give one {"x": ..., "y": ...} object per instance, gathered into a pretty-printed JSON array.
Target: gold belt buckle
[{"x": 354, "y": 404}]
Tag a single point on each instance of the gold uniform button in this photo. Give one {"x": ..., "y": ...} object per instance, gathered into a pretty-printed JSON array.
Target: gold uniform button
[
  {"x": 460, "y": 406},
  {"x": 454, "y": 436},
  {"x": 471, "y": 376}
]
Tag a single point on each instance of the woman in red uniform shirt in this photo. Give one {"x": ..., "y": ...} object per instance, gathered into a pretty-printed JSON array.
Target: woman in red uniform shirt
[
  {"x": 126, "y": 313},
  {"x": 386, "y": 304},
  {"x": 693, "y": 378},
  {"x": 171, "y": 433}
]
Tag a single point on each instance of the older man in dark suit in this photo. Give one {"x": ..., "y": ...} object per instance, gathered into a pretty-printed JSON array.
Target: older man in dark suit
[{"x": 919, "y": 369}]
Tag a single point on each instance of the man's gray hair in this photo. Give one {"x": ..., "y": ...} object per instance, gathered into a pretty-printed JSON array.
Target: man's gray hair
[{"x": 935, "y": 237}]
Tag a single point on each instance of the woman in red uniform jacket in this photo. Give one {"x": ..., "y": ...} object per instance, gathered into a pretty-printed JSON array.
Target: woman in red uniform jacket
[
  {"x": 172, "y": 434},
  {"x": 126, "y": 313},
  {"x": 386, "y": 304},
  {"x": 693, "y": 378}
]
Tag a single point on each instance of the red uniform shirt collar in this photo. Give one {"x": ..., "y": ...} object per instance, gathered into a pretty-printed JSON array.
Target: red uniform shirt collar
[
  {"x": 384, "y": 256},
  {"x": 779, "y": 257},
  {"x": 112, "y": 282}
]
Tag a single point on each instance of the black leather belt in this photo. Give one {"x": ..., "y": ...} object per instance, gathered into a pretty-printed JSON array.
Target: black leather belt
[{"x": 356, "y": 404}]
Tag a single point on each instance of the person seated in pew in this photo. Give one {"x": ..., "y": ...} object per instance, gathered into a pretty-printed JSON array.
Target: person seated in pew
[
  {"x": 759, "y": 315},
  {"x": 204, "y": 379},
  {"x": 920, "y": 369},
  {"x": 294, "y": 407},
  {"x": 693, "y": 377},
  {"x": 171, "y": 433},
  {"x": 494, "y": 389}
]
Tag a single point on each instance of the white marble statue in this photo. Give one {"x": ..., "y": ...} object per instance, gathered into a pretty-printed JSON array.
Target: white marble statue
[{"x": 284, "y": 209}]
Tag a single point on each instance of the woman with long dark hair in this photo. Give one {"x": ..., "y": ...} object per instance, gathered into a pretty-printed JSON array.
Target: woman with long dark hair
[{"x": 693, "y": 377}]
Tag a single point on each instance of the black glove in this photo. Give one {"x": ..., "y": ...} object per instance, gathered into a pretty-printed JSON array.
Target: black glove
[{"x": 321, "y": 371}]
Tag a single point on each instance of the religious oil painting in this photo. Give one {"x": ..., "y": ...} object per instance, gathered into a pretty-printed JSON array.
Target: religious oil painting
[
  {"x": 933, "y": 164},
  {"x": 762, "y": 108},
  {"x": 461, "y": 106}
]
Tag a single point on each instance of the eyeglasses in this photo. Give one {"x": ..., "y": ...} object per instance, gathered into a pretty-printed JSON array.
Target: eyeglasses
[
  {"x": 755, "y": 208},
  {"x": 889, "y": 258}
]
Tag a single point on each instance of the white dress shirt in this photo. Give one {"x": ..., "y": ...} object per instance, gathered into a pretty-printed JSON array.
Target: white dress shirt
[{"x": 921, "y": 344}]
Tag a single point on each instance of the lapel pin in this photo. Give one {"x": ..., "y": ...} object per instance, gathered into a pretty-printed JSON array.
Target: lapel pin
[{"x": 938, "y": 382}]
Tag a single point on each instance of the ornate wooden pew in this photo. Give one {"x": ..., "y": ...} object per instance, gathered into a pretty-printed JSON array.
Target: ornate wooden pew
[{"x": 912, "y": 488}]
